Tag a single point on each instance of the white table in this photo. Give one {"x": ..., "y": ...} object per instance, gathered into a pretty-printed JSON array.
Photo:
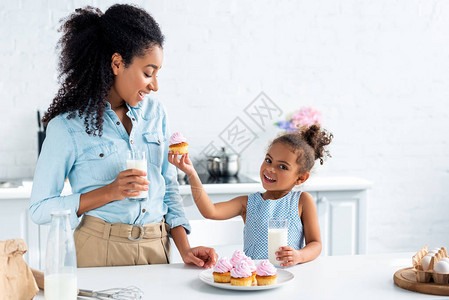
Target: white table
[{"x": 333, "y": 277}]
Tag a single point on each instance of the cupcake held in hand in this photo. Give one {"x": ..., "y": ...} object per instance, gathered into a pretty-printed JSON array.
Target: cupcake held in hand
[
  {"x": 266, "y": 273},
  {"x": 178, "y": 143},
  {"x": 222, "y": 271}
]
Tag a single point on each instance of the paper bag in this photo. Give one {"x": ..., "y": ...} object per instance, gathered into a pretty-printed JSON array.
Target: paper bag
[{"x": 16, "y": 280}]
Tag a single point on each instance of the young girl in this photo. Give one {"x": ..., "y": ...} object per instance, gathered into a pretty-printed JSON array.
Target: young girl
[
  {"x": 109, "y": 64},
  {"x": 287, "y": 164}
]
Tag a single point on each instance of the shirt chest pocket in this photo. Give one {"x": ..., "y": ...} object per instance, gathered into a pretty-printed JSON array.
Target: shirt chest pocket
[
  {"x": 102, "y": 162},
  {"x": 155, "y": 147}
]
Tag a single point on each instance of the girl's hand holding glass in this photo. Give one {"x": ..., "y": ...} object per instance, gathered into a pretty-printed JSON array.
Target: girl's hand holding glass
[
  {"x": 128, "y": 183},
  {"x": 288, "y": 256}
]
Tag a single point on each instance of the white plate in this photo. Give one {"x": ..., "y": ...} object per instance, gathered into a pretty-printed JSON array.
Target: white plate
[{"x": 283, "y": 277}]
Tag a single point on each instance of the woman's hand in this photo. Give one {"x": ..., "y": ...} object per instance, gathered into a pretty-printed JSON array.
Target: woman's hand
[
  {"x": 289, "y": 256},
  {"x": 119, "y": 189},
  {"x": 184, "y": 163},
  {"x": 200, "y": 256},
  {"x": 127, "y": 181}
]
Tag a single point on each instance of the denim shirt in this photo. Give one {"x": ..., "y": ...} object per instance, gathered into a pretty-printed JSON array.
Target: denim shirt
[{"x": 90, "y": 162}]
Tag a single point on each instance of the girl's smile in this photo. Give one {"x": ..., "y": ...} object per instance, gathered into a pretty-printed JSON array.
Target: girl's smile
[{"x": 268, "y": 179}]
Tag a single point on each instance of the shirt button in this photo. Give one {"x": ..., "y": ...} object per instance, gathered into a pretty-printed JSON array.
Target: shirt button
[
  {"x": 118, "y": 123},
  {"x": 144, "y": 210},
  {"x": 134, "y": 119},
  {"x": 131, "y": 141},
  {"x": 101, "y": 155}
]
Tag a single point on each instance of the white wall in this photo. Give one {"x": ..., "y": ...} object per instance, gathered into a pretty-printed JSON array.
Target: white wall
[{"x": 378, "y": 71}]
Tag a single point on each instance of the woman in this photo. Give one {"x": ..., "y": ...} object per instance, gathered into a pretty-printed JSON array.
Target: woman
[{"x": 108, "y": 66}]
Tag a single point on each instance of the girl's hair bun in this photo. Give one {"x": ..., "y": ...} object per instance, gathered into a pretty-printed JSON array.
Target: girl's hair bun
[
  {"x": 317, "y": 139},
  {"x": 308, "y": 143}
]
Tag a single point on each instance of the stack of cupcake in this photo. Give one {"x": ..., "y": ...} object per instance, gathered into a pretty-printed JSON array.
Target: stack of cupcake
[{"x": 240, "y": 270}]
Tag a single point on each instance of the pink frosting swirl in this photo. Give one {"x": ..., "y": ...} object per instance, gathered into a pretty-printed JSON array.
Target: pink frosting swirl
[
  {"x": 250, "y": 263},
  {"x": 265, "y": 268},
  {"x": 223, "y": 265},
  {"x": 237, "y": 257},
  {"x": 177, "y": 138},
  {"x": 241, "y": 270}
]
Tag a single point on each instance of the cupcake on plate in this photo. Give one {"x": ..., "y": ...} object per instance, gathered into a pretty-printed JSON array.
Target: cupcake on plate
[
  {"x": 222, "y": 270},
  {"x": 266, "y": 273},
  {"x": 241, "y": 274},
  {"x": 237, "y": 257},
  {"x": 178, "y": 143},
  {"x": 252, "y": 267}
]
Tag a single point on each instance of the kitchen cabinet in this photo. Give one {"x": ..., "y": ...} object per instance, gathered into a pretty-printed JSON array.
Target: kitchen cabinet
[
  {"x": 16, "y": 223},
  {"x": 341, "y": 206},
  {"x": 342, "y": 218}
]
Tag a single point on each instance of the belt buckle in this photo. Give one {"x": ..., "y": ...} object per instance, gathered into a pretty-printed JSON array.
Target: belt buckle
[{"x": 142, "y": 233}]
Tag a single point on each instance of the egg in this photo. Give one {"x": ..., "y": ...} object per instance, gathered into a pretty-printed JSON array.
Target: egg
[
  {"x": 442, "y": 267},
  {"x": 434, "y": 250},
  {"x": 425, "y": 262},
  {"x": 445, "y": 259}
]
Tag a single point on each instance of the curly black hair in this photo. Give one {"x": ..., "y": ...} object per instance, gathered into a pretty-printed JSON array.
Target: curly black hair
[
  {"x": 89, "y": 40},
  {"x": 309, "y": 144}
]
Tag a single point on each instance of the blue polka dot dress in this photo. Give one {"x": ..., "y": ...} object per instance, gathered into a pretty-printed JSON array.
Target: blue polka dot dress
[{"x": 258, "y": 211}]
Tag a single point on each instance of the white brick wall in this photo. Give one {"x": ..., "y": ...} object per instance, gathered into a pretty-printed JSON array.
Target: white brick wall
[{"x": 378, "y": 70}]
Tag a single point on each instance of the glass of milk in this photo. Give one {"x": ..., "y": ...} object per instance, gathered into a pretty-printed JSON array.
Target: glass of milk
[
  {"x": 277, "y": 237},
  {"x": 60, "y": 281},
  {"x": 137, "y": 160}
]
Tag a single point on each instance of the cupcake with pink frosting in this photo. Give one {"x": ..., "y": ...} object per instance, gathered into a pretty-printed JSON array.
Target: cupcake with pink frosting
[
  {"x": 266, "y": 273},
  {"x": 178, "y": 143},
  {"x": 237, "y": 257},
  {"x": 252, "y": 267},
  {"x": 222, "y": 270},
  {"x": 241, "y": 274}
]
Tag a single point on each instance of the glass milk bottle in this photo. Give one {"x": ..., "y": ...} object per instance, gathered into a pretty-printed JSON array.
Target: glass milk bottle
[
  {"x": 137, "y": 160},
  {"x": 60, "y": 281},
  {"x": 277, "y": 237}
]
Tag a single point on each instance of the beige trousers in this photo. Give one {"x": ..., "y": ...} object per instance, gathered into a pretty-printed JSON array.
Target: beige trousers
[{"x": 99, "y": 243}]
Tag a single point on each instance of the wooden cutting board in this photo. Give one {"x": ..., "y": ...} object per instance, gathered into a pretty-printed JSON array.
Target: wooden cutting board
[{"x": 406, "y": 279}]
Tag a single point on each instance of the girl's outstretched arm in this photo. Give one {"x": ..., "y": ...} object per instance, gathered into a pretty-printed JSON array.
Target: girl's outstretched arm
[
  {"x": 209, "y": 210},
  {"x": 309, "y": 218}
]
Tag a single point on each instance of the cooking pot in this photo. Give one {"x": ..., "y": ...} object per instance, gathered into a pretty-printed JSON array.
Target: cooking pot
[{"x": 223, "y": 164}]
